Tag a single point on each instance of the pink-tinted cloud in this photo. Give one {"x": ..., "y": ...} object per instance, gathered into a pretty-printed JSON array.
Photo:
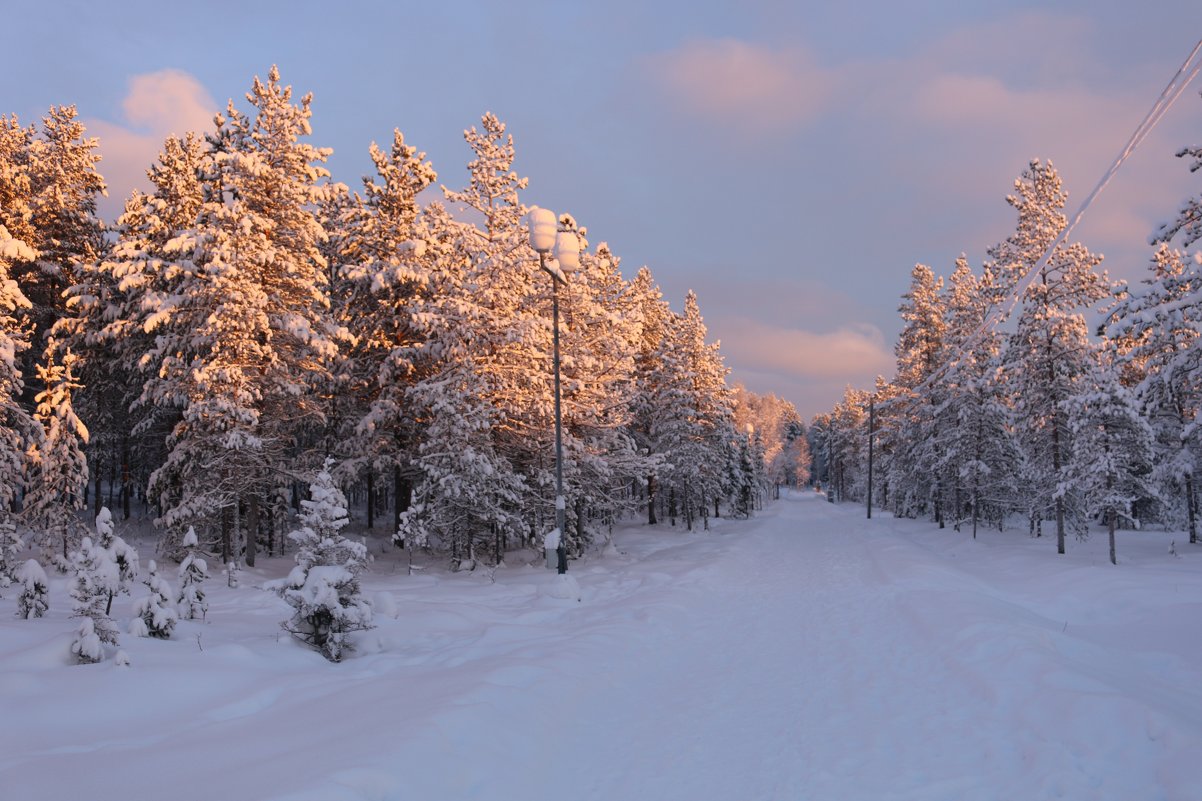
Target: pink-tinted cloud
[
  {"x": 158, "y": 105},
  {"x": 743, "y": 86},
  {"x": 852, "y": 354}
]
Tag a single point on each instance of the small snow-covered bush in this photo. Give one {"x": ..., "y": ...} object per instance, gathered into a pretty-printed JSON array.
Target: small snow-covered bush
[
  {"x": 87, "y": 647},
  {"x": 192, "y": 574},
  {"x": 34, "y": 588},
  {"x": 96, "y": 580},
  {"x": 155, "y": 609},
  {"x": 122, "y": 553},
  {"x": 323, "y": 588}
]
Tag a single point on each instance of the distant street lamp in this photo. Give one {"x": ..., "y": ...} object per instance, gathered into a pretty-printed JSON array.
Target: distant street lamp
[{"x": 544, "y": 237}]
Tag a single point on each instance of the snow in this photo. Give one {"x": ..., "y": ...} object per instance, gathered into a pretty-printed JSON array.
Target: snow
[{"x": 805, "y": 653}]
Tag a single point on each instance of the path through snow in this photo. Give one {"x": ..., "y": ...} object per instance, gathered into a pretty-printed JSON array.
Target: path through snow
[{"x": 805, "y": 654}]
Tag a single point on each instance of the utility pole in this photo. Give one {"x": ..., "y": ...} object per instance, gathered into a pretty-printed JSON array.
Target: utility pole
[{"x": 871, "y": 437}]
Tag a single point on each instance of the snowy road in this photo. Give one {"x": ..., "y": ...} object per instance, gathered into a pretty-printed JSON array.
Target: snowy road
[{"x": 806, "y": 654}]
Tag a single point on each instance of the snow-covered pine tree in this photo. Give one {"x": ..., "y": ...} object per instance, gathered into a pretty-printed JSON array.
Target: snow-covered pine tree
[
  {"x": 1155, "y": 329},
  {"x": 154, "y": 610},
  {"x": 1049, "y": 359},
  {"x": 705, "y": 460},
  {"x": 17, "y": 428},
  {"x": 35, "y": 589},
  {"x": 192, "y": 574},
  {"x": 479, "y": 324},
  {"x": 659, "y": 388},
  {"x": 117, "y": 306},
  {"x": 11, "y": 546},
  {"x": 915, "y": 480},
  {"x": 16, "y": 184},
  {"x": 978, "y": 444},
  {"x": 1113, "y": 449},
  {"x": 60, "y": 470},
  {"x": 50, "y": 179},
  {"x": 381, "y": 269},
  {"x": 465, "y": 488},
  {"x": 323, "y": 588},
  {"x": 599, "y": 337},
  {"x": 95, "y": 581},
  {"x": 1187, "y": 227},
  {"x": 246, "y": 343}
]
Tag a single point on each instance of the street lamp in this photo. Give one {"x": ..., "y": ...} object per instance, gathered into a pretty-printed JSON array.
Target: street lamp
[{"x": 543, "y": 236}]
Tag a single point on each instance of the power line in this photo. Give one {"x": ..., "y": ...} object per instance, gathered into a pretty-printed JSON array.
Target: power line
[{"x": 1176, "y": 86}]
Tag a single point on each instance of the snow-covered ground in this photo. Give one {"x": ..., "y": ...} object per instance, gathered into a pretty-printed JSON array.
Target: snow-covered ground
[{"x": 805, "y": 654}]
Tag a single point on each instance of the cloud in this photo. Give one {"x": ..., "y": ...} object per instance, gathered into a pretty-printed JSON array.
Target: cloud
[
  {"x": 749, "y": 87},
  {"x": 158, "y": 105},
  {"x": 853, "y": 353}
]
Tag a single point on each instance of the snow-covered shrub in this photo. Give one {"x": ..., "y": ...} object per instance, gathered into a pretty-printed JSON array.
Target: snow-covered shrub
[
  {"x": 323, "y": 588},
  {"x": 96, "y": 580},
  {"x": 86, "y": 646},
  {"x": 123, "y": 555},
  {"x": 192, "y": 574},
  {"x": 34, "y": 588},
  {"x": 155, "y": 609}
]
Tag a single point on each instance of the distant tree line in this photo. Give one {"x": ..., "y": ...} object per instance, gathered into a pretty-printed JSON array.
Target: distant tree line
[{"x": 1008, "y": 403}]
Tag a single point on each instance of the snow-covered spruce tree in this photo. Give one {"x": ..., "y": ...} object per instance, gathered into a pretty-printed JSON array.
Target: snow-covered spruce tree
[
  {"x": 59, "y": 468},
  {"x": 599, "y": 337},
  {"x": 848, "y": 446},
  {"x": 914, "y": 478},
  {"x": 154, "y": 610},
  {"x": 1113, "y": 460},
  {"x": 192, "y": 574},
  {"x": 659, "y": 389},
  {"x": 121, "y": 552},
  {"x": 978, "y": 445},
  {"x": 243, "y": 346},
  {"x": 706, "y": 448},
  {"x": 1154, "y": 330},
  {"x": 1049, "y": 359},
  {"x": 17, "y": 428},
  {"x": 323, "y": 588},
  {"x": 35, "y": 589},
  {"x": 95, "y": 581}
]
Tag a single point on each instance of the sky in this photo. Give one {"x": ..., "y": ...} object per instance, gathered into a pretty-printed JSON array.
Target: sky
[{"x": 789, "y": 161}]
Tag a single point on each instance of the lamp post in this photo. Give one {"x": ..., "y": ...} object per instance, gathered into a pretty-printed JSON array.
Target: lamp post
[{"x": 543, "y": 236}]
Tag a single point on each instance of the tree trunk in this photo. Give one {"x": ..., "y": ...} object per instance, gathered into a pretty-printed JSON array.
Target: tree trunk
[
  {"x": 396, "y": 504},
  {"x": 371, "y": 498},
  {"x": 226, "y": 532},
  {"x": 252, "y": 528},
  {"x": 651, "y": 500},
  {"x": 98, "y": 501},
  {"x": 126, "y": 482},
  {"x": 1113, "y": 556},
  {"x": 1191, "y": 506}
]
